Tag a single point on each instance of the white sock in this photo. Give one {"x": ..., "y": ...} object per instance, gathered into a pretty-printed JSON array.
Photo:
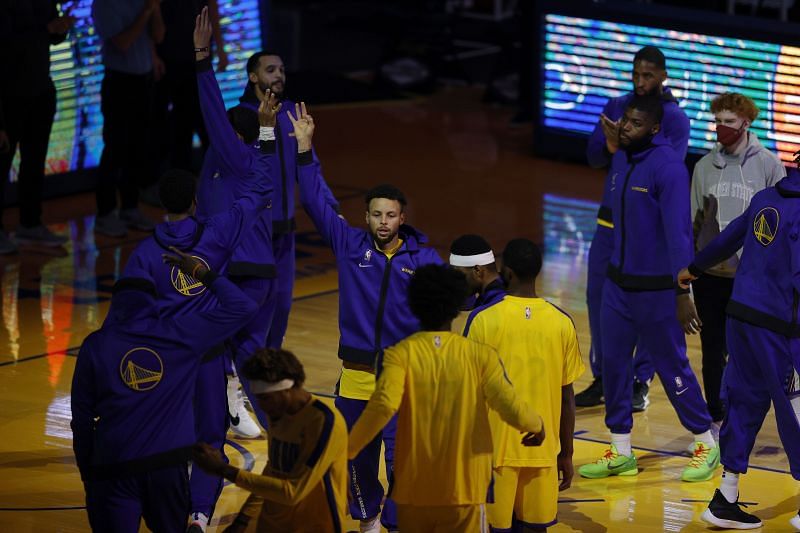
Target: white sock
[
  {"x": 623, "y": 443},
  {"x": 706, "y": 438},
  {"x": 729, "y": 487},
  {"x": 796, "y": 406}
]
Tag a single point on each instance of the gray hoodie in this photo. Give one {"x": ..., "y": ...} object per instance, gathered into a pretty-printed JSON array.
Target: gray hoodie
[{"x": 722, "y": 186}]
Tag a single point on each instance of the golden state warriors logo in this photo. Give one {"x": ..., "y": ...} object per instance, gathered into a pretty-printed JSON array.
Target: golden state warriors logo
[
  {"x": 765, "y": 225},
  {"x": 141, "y": 369},
  {"x": 187, "y": 285}
]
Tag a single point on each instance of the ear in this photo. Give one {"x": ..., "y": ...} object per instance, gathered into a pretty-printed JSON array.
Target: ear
[
  {"x": 664, "y": 75},
  {"x": 656, "y": 128},
  {"x": 366, "y": 217},
  {"x": 402, "y": 218},
  {"x": 252, "y": 77}
]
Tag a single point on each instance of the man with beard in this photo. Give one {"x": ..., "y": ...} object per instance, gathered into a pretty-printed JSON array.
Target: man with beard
[
  {"x": 649, "y": 198},
  {"x": 648, "y": 75},
  {"x": 472, "y": 256},
  {"x": 375, "y": 268}
]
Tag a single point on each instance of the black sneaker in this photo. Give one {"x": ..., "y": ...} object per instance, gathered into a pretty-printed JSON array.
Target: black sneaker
[
  {"x": 593, "y": 395},
  {"x": 725, "y": 514},
  {"x": 641, "y": 398}
]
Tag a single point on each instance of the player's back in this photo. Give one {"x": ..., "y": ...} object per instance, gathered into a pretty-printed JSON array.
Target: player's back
[
  {"x": 538, "y": 345},
  {"x": 444, "y": 446}
]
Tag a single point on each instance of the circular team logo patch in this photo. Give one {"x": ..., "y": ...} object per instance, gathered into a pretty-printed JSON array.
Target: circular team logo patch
[
  {"x": 141, "y": 369},
  {"x": 765, "y": 225},
  {"x": 187, "y": 285}
]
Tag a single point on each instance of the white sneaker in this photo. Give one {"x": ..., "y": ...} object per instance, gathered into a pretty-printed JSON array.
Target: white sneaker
[
  {"x": 795, "y": 522},
  {"x": 242, "y": 424},
  {"x": 370, "y": 526},
  {"x": 198, "y": 524}
]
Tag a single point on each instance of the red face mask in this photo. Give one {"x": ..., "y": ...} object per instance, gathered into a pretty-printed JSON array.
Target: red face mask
[{"x": 728, "y": 136}]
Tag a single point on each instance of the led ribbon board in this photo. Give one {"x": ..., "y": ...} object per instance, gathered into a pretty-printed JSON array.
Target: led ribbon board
[
  {"x": 588, "y": 61},
  {"x": 76, "y": 141}
]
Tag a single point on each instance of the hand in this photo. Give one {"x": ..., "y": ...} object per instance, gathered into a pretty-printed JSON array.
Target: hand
[
  {"x": 159, "y": 67},
  {"x": 611, "y": 131},
  {"x": 202, "y": 31},
  {"x": 188, "y": 264},
  {"x": 208, "y": 458},
  {"x": 5, "y": 144},
  {"x": 687, "y": 315},
  {"x": 60, "y": 25},
  {"x": 269, "y": 107},
  {"x": 534, "y": 439},
  {"x": 565, "y": 468},
  {"x": 303, "y": 127},
  {"x": 685, "y": 278},
  {"x": 222, "y": 58}
]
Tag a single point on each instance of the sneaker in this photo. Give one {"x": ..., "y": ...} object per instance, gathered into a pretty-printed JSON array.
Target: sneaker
[
  {"x": 795, "y": 522},
  {"x": 593, "y": 395},
  {"x": 110, "y": 225},
  {"x": 198, "y": 524},
  {"x": 39, "y": 235},
  {"x": 242, "y": 424},
  {"x": 704, "y": 461},
  {"x": 641, "y": 397},
  {"x": 725, "y": 514},
  {"x": 610, "y": 464},
  {"x": 715, "y": 427},
  {"x": 7, "y": 246},
  {"x": 373, "y": 525},
  {"x": 135, "y": 219}
]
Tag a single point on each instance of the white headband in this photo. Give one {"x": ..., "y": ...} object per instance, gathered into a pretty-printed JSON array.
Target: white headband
[
  {"x": 261, "y": 387},
  {"x": 486, "y": 258}
]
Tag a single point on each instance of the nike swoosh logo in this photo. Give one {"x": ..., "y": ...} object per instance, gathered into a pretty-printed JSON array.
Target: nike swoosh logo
[
  {"x": 234, "y": 420},
  {"x": 616, "y": 467},
  {"x": 681, "y": 391},
  {"x": 365, "y": 266}
]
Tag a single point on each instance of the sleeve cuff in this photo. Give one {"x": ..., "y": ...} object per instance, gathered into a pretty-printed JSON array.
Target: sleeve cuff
[
  {"x": 694, "y": 270},
  {"x": 267, "y": 147},
  {"x": 305, "y": 158},
  {"x": 203, "y": 65},
  {"x": 209, "y": 279}
]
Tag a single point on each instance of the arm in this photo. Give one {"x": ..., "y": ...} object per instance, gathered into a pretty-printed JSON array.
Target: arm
[
  {"x": 500, "y": 397},
  {"x": 83, "y": 398},
  {"x": 235, "y": 155},
  {"x": 108, "y": 25},
  {"x": 725, "y": 245},
  {"x": 382, "y": 405},
  {"x": 330, "y": 199},
  {"x": 216, "y": 30},
  {"x": 795, "y": 251},
  {"x": 597, "y": 152},
  {"x": 235, "y": 223},
  {"x": 566, "y": 433}
]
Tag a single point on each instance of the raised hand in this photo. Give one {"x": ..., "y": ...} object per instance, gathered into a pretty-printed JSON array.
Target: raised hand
[
  {"x": 611, "y": 131},
  {"x": 269, "y": 107},
  {"x": 303, "y": 127},
  {"x": 202, "y": 31},
  {"x": 188, "y": 264}
]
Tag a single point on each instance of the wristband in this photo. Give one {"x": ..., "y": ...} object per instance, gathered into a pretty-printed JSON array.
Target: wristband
[{"x": 266, "y": 133}]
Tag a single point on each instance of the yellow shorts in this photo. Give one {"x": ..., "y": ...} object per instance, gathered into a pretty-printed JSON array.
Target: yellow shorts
[
  {"x": 529, "y": 494},
  {"x": 442, "y": 518}
]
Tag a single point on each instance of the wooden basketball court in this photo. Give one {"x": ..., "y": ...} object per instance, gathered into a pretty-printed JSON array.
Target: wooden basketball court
[{"x": 463, "y": 170}]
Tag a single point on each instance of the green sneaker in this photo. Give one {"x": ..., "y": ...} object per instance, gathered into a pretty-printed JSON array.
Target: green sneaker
[
  {"x": 610, "y": 464},
  {"x": 704, "y": 461}
]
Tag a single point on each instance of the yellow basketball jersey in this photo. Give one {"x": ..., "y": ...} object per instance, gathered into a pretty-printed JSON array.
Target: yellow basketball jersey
[{"x": 538, "y": 345}]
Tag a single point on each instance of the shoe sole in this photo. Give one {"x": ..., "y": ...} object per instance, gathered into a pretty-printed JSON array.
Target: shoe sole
[
  {"x": 243, "y": 435},
  {"x": 795, "y": 523},
  {"x": 626, "y": 473},
  {"x": 707, "y": 516}
]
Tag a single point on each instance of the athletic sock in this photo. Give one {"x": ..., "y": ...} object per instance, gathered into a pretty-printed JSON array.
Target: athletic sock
[
  {"x": 796, "y": 406},
  {"x": 622, "y": 441},
  {"x": 729, "y": 487},
  {"x": 706, "y": 438}
]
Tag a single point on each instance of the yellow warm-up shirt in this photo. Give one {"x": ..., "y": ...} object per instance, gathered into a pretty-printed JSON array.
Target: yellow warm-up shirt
[
  {"x": 539, "y": 348},
  {"x": 304, "y": 485},
  {"x": 441, "y": 383}
]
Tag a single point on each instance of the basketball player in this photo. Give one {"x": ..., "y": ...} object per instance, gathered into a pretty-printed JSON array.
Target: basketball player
[
  {"x": 375, "y": 267},
  {"x": 132, "y": 393},
  {"x": 303, "y": 488},
  {"x": 472, "y": 256},
  {"x": 542, "y": 358},
  {"x": 649, "y": 72},
  {"x": 440, "y": 384},
  {"x": 265, "y": 72},
  {"x": 723, "y": 183},
  {"x": 762, "y": 337},
  {"x": 652, "y": 238}
]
